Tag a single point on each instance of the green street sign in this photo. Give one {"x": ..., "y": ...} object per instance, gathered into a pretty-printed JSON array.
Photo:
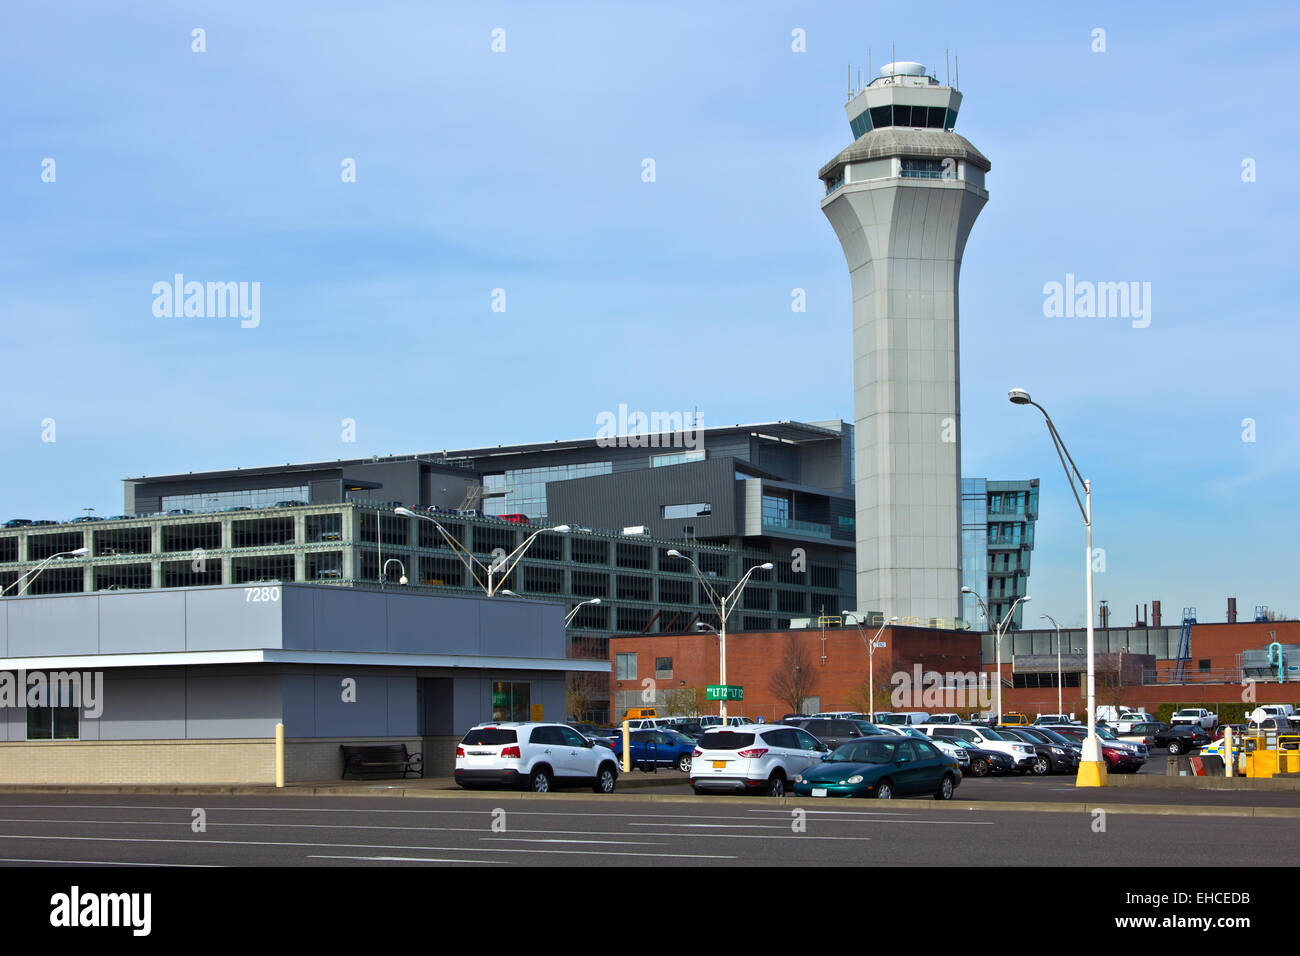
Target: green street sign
[{"x": 724, "y": 692}]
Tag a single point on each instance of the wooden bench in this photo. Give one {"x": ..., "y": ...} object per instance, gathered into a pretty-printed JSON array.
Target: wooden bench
[{"x": 381, "y": 758}]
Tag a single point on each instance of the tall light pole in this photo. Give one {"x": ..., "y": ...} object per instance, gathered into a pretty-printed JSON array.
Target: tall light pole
[
  {"x": 997, "y": 638},
  {"x": 35, "y": 572},
  {"x": 721, "y": 603},
  {"x": 1092, "y": 768},
  {"x": 574, "y": 613},
  {"x": 500, "y": 566},
  {"x": 871, "y": 659},
  {"x": 1058, "y": 662}
]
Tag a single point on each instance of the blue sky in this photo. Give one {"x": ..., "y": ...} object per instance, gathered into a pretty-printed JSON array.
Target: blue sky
[{"x": 521, "y": 171}]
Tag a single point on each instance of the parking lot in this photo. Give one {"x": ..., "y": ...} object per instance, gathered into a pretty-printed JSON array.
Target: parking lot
[{"x": 575, "y": 830}]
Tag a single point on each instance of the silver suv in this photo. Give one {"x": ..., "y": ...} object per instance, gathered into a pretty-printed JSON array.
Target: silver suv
[{"x": 533, "y": 756}]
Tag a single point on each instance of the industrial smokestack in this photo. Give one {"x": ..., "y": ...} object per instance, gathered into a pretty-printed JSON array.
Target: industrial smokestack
[
  {"x": 1155, "y": 613},
  {"x": 1232, "y": 610}
]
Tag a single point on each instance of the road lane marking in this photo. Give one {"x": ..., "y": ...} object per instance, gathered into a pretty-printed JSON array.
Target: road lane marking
[
  {"x": 200, "y": 866},
  {"x": 351, "y": 846},
  {"x": 411, "y": 859}
]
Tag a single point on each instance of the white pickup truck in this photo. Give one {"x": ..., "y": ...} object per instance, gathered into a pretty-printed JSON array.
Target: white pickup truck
[{"x": 1195, "y": 715}]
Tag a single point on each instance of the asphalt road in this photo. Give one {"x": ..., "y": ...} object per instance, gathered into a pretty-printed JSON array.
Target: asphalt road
[{"x": 577, "y": 830}]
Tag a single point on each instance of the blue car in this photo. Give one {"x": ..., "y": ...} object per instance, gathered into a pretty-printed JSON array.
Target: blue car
[{"x": 663, "y": 748}]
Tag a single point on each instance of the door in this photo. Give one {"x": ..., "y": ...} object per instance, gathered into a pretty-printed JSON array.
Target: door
[
  {"x": 931, "y": 766},
  {"x": 909, "y": 773},
  {"x": 579, "y": 760},
  {"x": 808, "y": 750}
]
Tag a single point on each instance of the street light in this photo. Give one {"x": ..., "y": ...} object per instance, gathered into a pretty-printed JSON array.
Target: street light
[
  {"x": 1058, "y": 661},
  {"x": 35, "y": 572},
  {"x": 723, "y": 612},
  {"x": 871, "y": 659},
  {"x": 383, "y": 572},
  {"x": 501, "y": 566},
  {"x": 1092, "y": 769},
  {"x": 572, "y": 614},
  {"x": 997, "y": 637}
]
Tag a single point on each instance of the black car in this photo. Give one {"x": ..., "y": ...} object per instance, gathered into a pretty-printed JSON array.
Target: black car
[
  {"x": 832, "y": 732},
  {"x": 1182, "y": 738},
  {"x": 1049, "y": 756},
  {"x": 982, "y": 762},
  {"x": 18, "y": 522},
  {"x": 690, "y": 728}
]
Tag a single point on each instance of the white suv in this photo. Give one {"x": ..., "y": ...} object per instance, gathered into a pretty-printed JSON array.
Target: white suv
[
  {"x": 753, "y": 758},
  {"x": 538, "y": 757},
  {"x": 1022, "y": 754}
]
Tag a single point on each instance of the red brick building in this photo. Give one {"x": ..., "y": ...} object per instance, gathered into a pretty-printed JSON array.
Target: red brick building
[
  {"x": 676, "y": 664},
  {"x": 837, "y": 658}
]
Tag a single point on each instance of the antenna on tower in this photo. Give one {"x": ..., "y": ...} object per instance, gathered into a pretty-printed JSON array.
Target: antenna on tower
[
  {"x": 956, "y": 67},
  {"x": 947, "y": 79},
  {"x": 848, "y": 80},
  {"x": 868, "y": 65},
  {"x": 893, "y": 58}
]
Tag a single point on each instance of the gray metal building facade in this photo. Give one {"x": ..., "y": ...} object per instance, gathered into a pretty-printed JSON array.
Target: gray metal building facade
[{"x": 194, "y": 680}]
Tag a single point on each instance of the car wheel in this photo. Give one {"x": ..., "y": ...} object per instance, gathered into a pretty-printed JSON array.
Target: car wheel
[
  {"x": 979, "y": 768},
  {"x": 1042, "y": 765},
  {"x": 885, "y": 790},
  {"x": 1175, "y": 748},
  {"x": 539, "y": 781},
  {"x": 604, "y": 780},
  {"x": 946, "y": 789},
  {"x": 776, "y": 785},
  {"x": 684, "y": 763}
]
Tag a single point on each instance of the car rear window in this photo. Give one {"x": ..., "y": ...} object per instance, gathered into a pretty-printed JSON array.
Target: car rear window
[
  {"x": 725, "y": 740},
  {"x": 490, "y": 737}
]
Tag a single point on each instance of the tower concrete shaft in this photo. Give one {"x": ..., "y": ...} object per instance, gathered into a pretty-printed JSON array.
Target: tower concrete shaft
[{"x": 902, "y": 200}]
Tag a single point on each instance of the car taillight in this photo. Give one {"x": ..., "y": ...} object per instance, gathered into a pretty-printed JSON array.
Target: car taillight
[
  {"x": 460, "y": 751},
  {"x": 697, "y": 752},
  {"x": 752, "y": 752},
  {"x": 509, "y": 752}
]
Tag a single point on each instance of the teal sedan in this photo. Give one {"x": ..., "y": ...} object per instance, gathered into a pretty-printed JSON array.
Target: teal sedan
[{"x": 881, "y": 767}]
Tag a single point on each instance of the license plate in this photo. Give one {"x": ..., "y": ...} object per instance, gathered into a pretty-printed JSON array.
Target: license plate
[
  {"x": 719, "y": 764},
  {"x": 819, "y": 791}
]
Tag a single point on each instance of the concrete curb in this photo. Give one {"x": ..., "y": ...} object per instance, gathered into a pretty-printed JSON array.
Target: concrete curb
[{"x": 500, "y": 796}]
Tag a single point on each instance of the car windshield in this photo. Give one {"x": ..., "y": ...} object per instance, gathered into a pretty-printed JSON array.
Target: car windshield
[
  {"x": 865, "y": 751},
  {"x": 866, "y": 727},
  {"x": 1027, "y": 733},
  {"x": 991, "y": 734},
  {"x": 1189, "y": 713},
  {"x": 1106, "y": 733},
  {"x": 913, "y": 732}
]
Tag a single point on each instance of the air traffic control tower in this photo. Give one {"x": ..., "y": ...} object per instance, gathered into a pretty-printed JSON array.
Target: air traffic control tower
[{"x": 902, "y": 200}]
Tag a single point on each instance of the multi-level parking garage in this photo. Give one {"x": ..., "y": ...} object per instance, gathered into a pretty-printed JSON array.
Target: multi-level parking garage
[{"x": 642, "y": 589}]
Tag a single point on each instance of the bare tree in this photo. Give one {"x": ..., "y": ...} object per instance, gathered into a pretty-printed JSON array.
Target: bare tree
[
  {"x": 794, "y": 680},
  {"x": 581, "y": 690}
]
